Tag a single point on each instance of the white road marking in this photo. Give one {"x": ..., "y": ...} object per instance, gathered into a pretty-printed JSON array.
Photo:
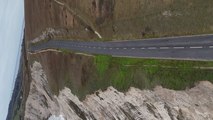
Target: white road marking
[
  {"x": 104, "y": 48},
  {"x": 210, "y": 46},
  {"x": 94, "y": 47},
  {"x": 151, "y": 48},
  {"x": 164, "y": 47},
  {"x": 124, "y": 48},
  {"x": 196, "y": 47},
  {"x": 117, "y": 48},
  {"x": 132, "y": 48},
  {"x": 110, "y": 48},
  {"x": 142, "y": 48},
  {"x": 178, "y": 47}
]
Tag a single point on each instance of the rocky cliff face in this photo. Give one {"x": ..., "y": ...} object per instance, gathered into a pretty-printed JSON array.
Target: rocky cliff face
[{"x": 193, "y": 104}]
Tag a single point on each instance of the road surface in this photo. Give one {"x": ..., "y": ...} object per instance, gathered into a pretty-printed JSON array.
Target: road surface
[{"x": 186, "y": 47}]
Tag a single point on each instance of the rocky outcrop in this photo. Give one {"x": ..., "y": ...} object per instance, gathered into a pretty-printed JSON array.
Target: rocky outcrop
[
  {"x": 193, "y": 104},
  {"x": 47, "y": 34}
]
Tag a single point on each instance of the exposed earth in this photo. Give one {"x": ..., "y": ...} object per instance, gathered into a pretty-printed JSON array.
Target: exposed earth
[
  {"x": 61, "y": 84},
  {"x": 160, "y": 104}
]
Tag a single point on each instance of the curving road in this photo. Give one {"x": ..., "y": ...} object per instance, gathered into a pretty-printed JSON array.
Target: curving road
[{"x": 186, "y": 47}]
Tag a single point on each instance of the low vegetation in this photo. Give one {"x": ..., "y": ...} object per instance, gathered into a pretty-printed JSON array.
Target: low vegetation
[
  {"x": 154, "y": 18},
  {"x": 123, "y": 73},
  {"x": 133, "y": 19}
]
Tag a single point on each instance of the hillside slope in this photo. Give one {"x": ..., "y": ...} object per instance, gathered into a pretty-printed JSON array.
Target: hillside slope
[
  {"x": 160, "y": 104},
  {"x": 56, "y": 76},
  {"x": 118, "y": 19}
]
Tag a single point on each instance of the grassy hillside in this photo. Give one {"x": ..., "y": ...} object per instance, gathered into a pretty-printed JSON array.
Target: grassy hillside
[
  {"x": 86, "y": 74},
  {"x": 115, "y": 19},
  {"x": 157, "y": 18},
  {"x": 119, "y": 19}
]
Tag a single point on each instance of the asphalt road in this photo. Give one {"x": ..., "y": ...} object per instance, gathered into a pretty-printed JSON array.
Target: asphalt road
[{"x": 187, "y": 48}]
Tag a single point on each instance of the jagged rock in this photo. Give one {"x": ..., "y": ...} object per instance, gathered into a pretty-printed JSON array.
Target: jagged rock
[{"x": 160, "y": 104}]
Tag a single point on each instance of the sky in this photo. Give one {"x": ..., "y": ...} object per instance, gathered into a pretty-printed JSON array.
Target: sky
[{"x": 11, "y": 33}]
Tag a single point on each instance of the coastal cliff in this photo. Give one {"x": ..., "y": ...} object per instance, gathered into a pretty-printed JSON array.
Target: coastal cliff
[
  {"x": 160, "y": 104},
  {"x": 62, "y": 84}
]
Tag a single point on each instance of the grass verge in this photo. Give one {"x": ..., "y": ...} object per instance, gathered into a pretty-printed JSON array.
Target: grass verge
[{"x": 123, "y": 73}]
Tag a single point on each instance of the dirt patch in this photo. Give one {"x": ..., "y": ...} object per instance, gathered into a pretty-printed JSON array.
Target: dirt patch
[{"x": 66, "y": 69}]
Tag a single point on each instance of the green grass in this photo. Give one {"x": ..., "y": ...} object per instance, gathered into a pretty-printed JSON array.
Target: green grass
[
  {"x": 123, "y": 73},
  {"x": 102, "y": 63},
  {"x": 102, "y": 71}
]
